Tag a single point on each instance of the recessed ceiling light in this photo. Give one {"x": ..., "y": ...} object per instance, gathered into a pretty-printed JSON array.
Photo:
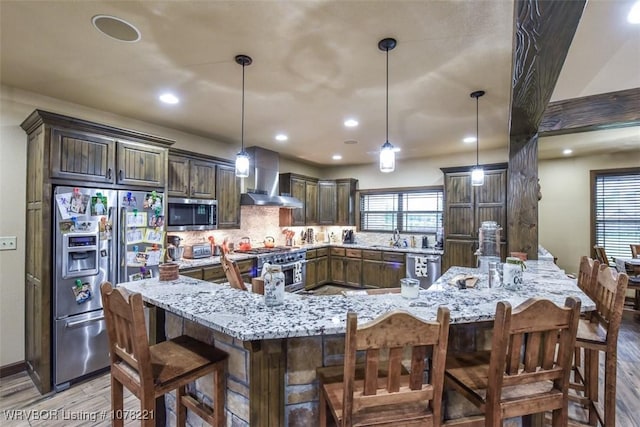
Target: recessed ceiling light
[
  {"x": 351, "y": 123},
  {"x": 351, "y": 142},
  {"x": 469, "y": 139},
  {"x": 281, "y": 137},
  {"x": 567, "y": 151},
  {"x": 169, "y": 98},
  {"x": 634, "y": 14},
  {"x": 116, "y": 28},
  {"x": 336, "y": 157}
]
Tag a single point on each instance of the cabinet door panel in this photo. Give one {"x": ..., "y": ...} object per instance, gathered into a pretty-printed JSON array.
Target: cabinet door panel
[
  {"x": 371, "y": 273},
  {"x": 353, "y": 272},
  {"x": 298, "y": 190},
  {"x": 78, "y": 155},
  {"x": 327, "y": 202},
  {"x": 337, "y": 270},
  {"x": 178, "y": 176},
  {"x": 202, "y": 179},
  {"x": 345, "y": 202},
  {"x": 322, "y": 270},
  {"x": 458, "y": 253},
  {"x": 228, "y": 196},
  {"x": 391, "y": 273},
  {"x": 140, "y": 164},
  {"x": 311, "y": 281},
  {"x": 311, "y": 203}
]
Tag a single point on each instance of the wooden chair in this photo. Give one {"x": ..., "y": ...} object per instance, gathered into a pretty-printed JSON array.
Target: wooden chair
[
  {"x": 588, "y": 275},
  {"x": 599, "y": 332},
  {"x": 528, "y": 367},
  {"x": 397, "y": 399},
  {"x": 601, "y": 255},
  {"x": 635, "y": 250},
  {"x": 151, "y": 371}
]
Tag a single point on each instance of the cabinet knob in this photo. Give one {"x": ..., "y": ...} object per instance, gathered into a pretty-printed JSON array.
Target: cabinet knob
[
  {"x": 121, "y": 174},
  {"x": 109, "y": 173}
]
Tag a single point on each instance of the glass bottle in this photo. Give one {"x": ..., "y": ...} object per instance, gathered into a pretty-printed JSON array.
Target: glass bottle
[{"x": 274, "y": 286}]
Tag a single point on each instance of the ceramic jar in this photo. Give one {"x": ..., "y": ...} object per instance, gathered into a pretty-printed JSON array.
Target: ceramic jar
[
  {"x": 274, "y": 286},
  {"x": 512, "y": 273}
]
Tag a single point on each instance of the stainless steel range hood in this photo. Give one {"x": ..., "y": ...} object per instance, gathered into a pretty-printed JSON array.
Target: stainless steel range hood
[{"x": 262, "y": 184}]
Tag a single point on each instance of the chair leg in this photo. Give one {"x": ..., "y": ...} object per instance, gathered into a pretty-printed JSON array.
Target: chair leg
[
  {"x": 181, "y": 410},
  {"x": 610, "y": 379},
  {"x": 322, "y": 409},
  {"x": 592, "y": 358},
  {"x": 219, "y": 387},
  {"x": 148, "y": 410},
  {"x": 117, "y": 403}
]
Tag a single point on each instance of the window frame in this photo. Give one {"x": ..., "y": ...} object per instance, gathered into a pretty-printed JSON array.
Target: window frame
[
  {"x": 400, "y": 213},
  {"x": 594, "y": 175}
]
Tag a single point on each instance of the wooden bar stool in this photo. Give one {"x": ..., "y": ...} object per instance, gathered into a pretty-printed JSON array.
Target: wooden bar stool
[
  {"x": 588, "y": 275},
  {"x": 599, "y": 332},
  {"x": 151, "y": 371},
  {"x": 527, "y": 369},
  {"x": 397, "y": 399}
]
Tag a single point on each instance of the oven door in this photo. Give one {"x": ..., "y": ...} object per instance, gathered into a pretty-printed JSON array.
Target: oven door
[{"x": 295, "y": 274}]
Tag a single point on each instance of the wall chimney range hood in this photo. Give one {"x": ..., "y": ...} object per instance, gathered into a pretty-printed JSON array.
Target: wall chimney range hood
[{"x": 262, "y": 184}]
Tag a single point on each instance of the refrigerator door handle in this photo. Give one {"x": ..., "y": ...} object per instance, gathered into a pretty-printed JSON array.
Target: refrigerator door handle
[{"x": 82, "y": 322}]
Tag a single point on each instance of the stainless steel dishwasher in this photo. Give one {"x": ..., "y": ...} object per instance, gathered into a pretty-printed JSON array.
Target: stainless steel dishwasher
[{"x": 423, "y": 267}]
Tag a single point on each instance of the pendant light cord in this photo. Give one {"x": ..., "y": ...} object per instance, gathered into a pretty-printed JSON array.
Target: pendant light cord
[
  {"x": 477, "y": 136},
  {"x": 242, "y": 125},
  {"x": 387, "y": 103}
]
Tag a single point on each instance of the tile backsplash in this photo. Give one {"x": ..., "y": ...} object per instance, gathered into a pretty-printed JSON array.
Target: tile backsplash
[{"x": 258, "y": 222}]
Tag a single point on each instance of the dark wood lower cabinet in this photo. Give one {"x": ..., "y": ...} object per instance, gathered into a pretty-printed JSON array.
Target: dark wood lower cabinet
[
  {"x": 459, "y": 253},
  {"x": 353, "y": 271}
]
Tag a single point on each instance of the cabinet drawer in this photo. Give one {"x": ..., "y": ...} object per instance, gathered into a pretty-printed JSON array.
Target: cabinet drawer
[
  {"x": 213, "y": 273},
  {"x": 354, "y": 253},
  {"x": 196, "y": 273},
  {"x": 372, "y": 255},
  {"x": 323, "y": 252},
  {"x": 245, "y": 266},
  {"x": 312, "y": 253},
  {"x": 337, "y": 251},
  {"x": 393, "y": 256}
]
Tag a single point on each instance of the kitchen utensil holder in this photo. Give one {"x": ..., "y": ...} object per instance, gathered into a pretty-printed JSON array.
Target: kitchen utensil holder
[{"x": 168, "y": 271}]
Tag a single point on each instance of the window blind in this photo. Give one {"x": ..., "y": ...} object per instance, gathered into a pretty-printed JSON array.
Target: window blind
[
  {"x": 407, "y": 211},
  {"x": 617, "y": 212}
]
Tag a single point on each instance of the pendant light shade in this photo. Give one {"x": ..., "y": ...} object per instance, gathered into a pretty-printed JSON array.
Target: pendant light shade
[
  {"x": 477, "y": 173},
  {"x": 242, "y": 158},
  {"x": 387, "y": 151}
]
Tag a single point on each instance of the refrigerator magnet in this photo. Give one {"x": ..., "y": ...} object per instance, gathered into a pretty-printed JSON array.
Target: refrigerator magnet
[
  {"x": 154, "y": 236},
  {"x": 82, "y": 293},
  {"x": 135, "y": 235},
  {"x": 98, "y": 205},
  {"x": 136, "y": 219}
]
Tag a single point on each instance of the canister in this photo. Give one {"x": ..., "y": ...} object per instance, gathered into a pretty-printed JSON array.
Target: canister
[
  {"x": 274, "y": 286},
  {"x": 409, "y": 288},
  {"x": 512, "y": 273}
]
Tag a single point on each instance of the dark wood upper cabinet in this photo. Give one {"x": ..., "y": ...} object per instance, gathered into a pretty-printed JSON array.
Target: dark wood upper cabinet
[
  {"x": 228, "y": 197},
  {"x": 202, "y": 179},
  {"x": 346, "y": 201},
  {"x": 141, "y": 165},
  {"x": 178, "y": 176},
  {"x": 327, "y": 202},
  {"x": 311, "y": 203},
  {"x": 81, "y": 155},
  {"x": 298, "y": 189},
  {"x": 466, "y": 207}
]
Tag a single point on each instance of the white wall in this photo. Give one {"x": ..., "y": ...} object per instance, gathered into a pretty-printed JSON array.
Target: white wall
[{"x": 565, "y": 209}]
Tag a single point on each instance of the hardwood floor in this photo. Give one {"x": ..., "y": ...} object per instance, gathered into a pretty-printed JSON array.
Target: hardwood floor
[{"x": 88, "y": 403}]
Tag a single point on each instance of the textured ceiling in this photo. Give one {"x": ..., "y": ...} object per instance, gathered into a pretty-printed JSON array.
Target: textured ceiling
[{"x": 316, "y": 63}]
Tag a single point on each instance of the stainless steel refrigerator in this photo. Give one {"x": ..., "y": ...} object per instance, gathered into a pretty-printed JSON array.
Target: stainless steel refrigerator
[{"x": 99, "y": 235}]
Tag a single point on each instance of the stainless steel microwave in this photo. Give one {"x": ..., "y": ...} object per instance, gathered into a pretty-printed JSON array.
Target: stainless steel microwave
[{"x": 191, "y": 214}]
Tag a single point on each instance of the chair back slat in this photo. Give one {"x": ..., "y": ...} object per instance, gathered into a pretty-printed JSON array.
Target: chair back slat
[
  {"x": 550, "y": 333},
  {"x": 601, "y": 254},
  {"x": 635, "y": 250},
  {"x": 399, "y": 333},
  {"x": 128, "y": 342},
  {"x": 588, "y": 275},
  {"x": 611, "y": 288}
]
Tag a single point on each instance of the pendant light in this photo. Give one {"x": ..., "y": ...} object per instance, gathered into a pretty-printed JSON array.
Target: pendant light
[
  {"x": 242, "y": 158},
  {"x": 477, "y": 173},
  {"x": 387, "y": 151}
]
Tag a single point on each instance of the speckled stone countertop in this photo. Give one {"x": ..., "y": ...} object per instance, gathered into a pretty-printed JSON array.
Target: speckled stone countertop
[
  {"x": 243, "y": 315},
  {"x": 186, "y": 263}
]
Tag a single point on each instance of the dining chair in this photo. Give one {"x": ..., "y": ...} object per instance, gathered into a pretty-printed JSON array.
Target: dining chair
[
  {"x": 601, "y": 255},
  {"x": 152, "y": 371},
  {"x": 588, "y": 275},
  {"x": 635, "y": 250},
  {"x": 527, "y": 369},
  {"x": 598, "y": 332},
  {"x": 397, "y": 399}
]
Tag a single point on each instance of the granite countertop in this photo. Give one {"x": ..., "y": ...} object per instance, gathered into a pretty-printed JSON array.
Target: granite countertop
[
  {"x": 243, "y": 315},
  {"x": 186, "y": 263}
]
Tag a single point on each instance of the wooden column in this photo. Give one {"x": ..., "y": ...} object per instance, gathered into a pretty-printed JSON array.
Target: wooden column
[
  {"x": 267, "y": 369},
  {"x": 544, "y": 31}
]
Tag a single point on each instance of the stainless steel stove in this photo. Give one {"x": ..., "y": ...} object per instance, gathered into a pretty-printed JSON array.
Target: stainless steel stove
[{"x": 291, "y": 260}]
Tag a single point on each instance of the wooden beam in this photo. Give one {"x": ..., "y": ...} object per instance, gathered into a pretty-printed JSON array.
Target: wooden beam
[
  {"x": 594, "y": 112},
  {"x": 544, "y": 31}
]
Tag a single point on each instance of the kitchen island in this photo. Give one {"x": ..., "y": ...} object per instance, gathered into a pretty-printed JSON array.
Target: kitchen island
[{"x": 274, "y": 351}]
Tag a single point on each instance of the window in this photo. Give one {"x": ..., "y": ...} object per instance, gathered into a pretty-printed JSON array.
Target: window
[
  {"x": 616, "y": 210},
  {"x": 409, "y": 211}
]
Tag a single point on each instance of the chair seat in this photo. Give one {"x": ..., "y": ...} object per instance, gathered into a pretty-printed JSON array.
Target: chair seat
[
  {"x": 179, "y": 357},
  {"x": 471, "y": 371},
  {"x": 590, "y": 333},
  {"x": 405, "y": 414}
]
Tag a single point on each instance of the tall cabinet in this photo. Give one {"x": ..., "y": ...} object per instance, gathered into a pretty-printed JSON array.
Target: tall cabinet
[
  {"x": 63, "y": 150},
  {"x": 466, "y": 207}
]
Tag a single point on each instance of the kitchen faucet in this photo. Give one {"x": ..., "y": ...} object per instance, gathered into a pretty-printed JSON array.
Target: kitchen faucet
[{"x": 396, "y": 238}]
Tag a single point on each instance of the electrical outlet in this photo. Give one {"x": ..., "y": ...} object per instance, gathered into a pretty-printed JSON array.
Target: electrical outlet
[{"x": 8, "y": 243}]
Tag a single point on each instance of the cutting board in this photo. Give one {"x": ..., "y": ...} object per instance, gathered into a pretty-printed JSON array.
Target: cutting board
[{"x": 232, "y": 272}]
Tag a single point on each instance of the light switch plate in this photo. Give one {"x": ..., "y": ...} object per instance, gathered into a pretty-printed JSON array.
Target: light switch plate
[{"x": 8, "y": 243}]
